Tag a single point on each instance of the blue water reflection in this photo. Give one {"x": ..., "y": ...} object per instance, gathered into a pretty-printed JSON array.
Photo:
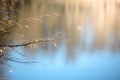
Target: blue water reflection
[{"x": 99, "y": 65}]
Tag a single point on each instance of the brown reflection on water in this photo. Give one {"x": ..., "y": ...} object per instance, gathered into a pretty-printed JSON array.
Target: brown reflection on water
[{"x": 92, "y": 24}]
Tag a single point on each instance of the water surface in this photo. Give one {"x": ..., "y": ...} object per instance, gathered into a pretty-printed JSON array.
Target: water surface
[{"x": 89, "y": 52}]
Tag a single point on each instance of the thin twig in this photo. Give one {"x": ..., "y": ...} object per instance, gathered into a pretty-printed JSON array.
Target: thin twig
[
  {"x": 19, "y": 52},
  {"x": 27, "y": 43},
  {"x": 7, "y": 58},
  {"x": 6, "y": 31}
]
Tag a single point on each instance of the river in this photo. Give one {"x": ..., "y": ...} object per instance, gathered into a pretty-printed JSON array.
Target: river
[{"x": 86, "y": 45}]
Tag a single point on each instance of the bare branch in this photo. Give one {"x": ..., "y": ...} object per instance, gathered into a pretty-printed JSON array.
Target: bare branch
[
  {"x": 18, "y": 52},
  {"x": 27, "y": 43},
  {"x": 14, "y": 60}
]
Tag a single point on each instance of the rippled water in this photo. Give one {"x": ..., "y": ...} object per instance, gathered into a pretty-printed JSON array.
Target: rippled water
[{"x": 86, "y": 45}]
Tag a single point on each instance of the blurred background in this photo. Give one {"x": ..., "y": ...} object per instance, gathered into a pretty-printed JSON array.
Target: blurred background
[{"x": 89, "y": 52}]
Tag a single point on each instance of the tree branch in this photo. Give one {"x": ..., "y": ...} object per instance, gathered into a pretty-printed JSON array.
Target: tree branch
[{"x": 27, "y": 43}]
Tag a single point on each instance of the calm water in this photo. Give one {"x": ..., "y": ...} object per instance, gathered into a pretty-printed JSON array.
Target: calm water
[{"x": 90, "y": 51}]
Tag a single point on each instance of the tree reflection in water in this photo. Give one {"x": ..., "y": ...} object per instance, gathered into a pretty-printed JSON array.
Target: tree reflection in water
[{"x": 93, "y": 26}]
